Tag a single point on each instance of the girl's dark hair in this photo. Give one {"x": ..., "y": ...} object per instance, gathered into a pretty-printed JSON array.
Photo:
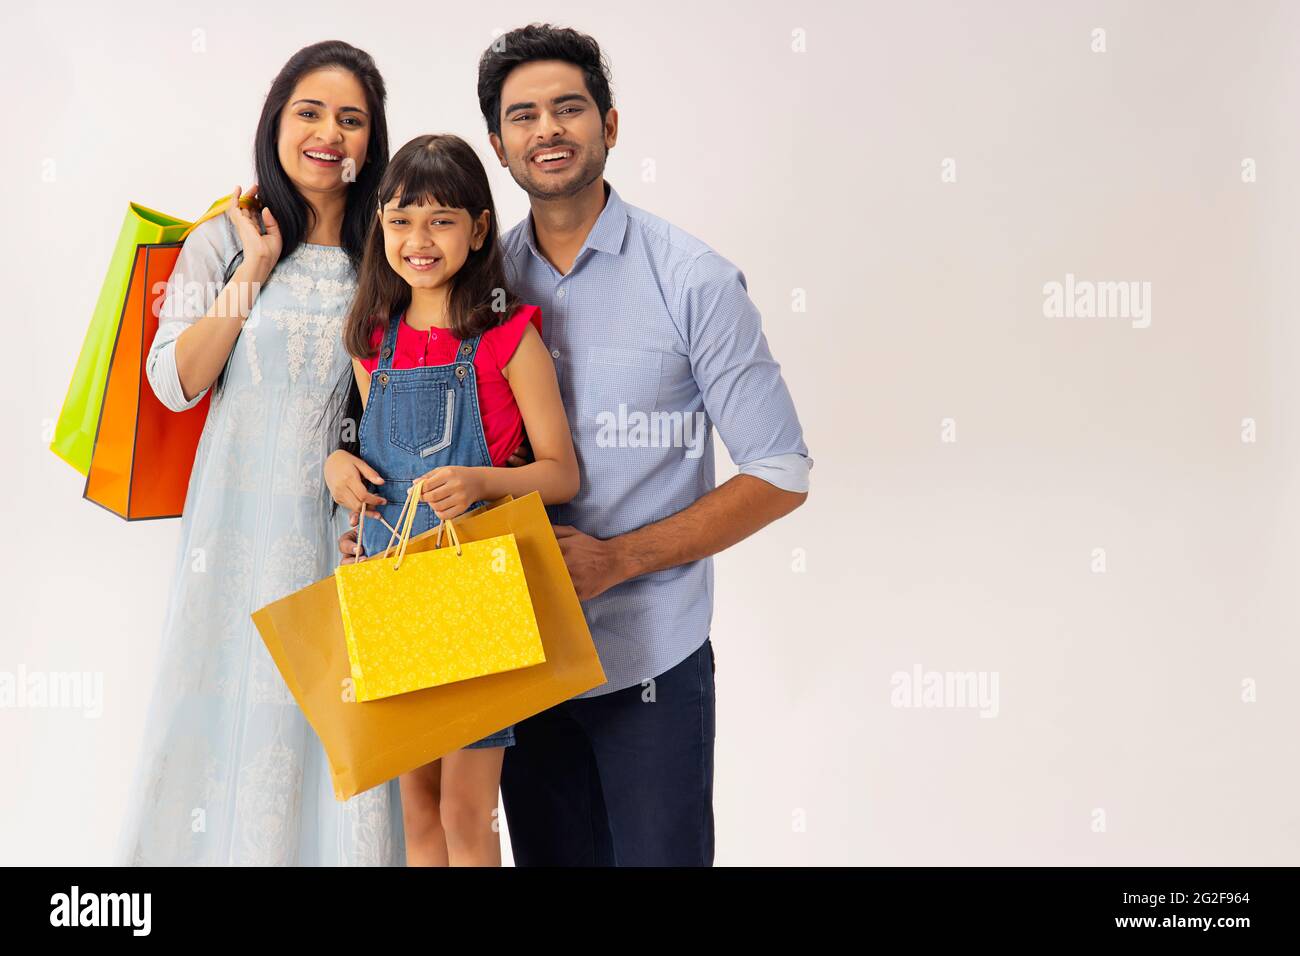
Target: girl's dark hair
[
  {"x": 540, "y": 41},
  {"x": 276, "y": 190},
  {"x": 438, "y": 169}
]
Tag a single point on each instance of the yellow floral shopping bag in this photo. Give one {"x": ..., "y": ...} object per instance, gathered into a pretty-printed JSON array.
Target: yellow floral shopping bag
[{"x": 423, "y": 620}]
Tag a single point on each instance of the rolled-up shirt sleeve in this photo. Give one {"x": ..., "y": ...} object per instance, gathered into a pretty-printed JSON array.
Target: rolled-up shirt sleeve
[
  {"x": 194, "y": 285},
  {"x": 744, "y": 394}
]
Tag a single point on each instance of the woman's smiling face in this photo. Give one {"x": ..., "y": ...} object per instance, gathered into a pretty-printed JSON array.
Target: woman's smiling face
[{"x": 324, "y": 131}]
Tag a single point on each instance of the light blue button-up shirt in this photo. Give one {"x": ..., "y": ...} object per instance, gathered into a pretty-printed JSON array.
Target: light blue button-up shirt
[{"x": 655, "y": 343}]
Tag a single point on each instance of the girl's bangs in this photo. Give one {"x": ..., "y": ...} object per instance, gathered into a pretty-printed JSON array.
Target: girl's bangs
[{"x": 427, "y": 179}]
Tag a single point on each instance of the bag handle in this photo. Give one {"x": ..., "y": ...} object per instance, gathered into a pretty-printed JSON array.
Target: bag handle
[
  {"x": 218, "y": 208},
  {"x": 405, "y": 521}
]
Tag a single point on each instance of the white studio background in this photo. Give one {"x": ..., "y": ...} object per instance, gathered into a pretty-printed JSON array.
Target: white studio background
[{"x": 898, "y": 183}]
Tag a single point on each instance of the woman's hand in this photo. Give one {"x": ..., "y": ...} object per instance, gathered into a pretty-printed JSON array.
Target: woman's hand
[
  {"x": 452, "y": 489},
  {"x": 261, "y": 251},
  {"x": 346, "y": 476},
  {"x": 523, "y": 455},
  {"x": 348, "y": 545}
]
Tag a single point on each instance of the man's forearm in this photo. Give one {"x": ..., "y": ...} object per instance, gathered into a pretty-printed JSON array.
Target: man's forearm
[{"x": 725, "y": 516}]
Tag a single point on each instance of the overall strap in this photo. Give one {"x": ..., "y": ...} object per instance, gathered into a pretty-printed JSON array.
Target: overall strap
[
  {"x": 465, "y": 353},
  {"x": 389, "y": 346}
]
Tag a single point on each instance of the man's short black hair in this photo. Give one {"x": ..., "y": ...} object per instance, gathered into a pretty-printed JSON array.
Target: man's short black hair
[{"x": 540, "y": 41}]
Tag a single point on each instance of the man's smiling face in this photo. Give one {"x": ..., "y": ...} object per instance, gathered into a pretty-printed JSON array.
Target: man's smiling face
[{"x": 552, "y": 138}]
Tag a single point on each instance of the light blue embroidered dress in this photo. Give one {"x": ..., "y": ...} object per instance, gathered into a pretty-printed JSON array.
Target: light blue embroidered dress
[{"x": 231, "y": 771}]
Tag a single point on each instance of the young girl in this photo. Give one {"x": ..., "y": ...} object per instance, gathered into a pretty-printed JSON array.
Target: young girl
[{"x": 451, "y": 371}]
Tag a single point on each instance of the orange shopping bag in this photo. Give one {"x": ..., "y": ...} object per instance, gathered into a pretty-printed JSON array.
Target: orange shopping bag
[
  {"x": 144, "y": 452},
  {"x": 138, "y": 462}
]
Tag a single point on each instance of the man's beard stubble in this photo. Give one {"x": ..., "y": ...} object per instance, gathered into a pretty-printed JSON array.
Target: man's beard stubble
[{"x": 590, "y": 173}]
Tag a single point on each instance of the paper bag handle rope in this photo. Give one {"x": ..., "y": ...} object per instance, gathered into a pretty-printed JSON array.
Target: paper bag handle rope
[
  {"x": 405, "y": 521},
  {"x": 218, "y": 209}
]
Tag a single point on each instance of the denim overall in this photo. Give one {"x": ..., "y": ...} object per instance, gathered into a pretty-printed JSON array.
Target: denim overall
[{"x": 416, "y": 420}]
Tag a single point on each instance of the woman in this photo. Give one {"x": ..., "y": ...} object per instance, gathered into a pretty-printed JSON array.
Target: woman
[{"x": 232, "y": 773}]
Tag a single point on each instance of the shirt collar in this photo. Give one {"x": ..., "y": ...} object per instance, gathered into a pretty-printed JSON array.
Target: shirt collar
[{"x": 606, "y": 234}]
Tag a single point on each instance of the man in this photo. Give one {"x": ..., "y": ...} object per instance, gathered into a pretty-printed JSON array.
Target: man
[
  {"x": 655, "y": 342},
  {"x": 640, "y": 318}
]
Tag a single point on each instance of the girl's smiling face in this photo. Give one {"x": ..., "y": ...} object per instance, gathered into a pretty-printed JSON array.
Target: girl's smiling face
[
  {"x": 427, "y": 243},
  {"x": 324, "y": 131}
]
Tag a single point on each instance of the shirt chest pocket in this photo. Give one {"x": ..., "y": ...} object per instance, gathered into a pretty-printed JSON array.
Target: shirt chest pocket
[
  {"x": 622, "y": 376},
  {"x": 420, "y": 417}
]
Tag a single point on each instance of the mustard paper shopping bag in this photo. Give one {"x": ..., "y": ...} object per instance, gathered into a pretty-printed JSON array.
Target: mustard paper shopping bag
[
  {"x": 368, "y": 744},
  {"x": 421, "y": 620}
]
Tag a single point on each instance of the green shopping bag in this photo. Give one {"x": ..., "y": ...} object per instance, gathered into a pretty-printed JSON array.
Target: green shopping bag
[{"x": 74, "y": 434}]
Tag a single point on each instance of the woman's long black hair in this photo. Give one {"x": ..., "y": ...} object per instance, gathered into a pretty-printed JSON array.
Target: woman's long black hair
[
  {"x": 276, "y": 190},
  {"x": 292, "y": 211}
]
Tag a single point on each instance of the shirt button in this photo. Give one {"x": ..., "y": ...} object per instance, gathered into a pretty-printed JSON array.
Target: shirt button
[
  {"x": 560, "y": 294},
  {"x": 555, "y": 353}
]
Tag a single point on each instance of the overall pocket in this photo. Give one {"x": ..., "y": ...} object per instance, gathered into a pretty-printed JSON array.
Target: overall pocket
[{"x": 420, "y": 417}]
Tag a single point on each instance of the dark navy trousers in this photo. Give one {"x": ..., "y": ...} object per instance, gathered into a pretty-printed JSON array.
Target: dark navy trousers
[{"x": 622, "y": 779}]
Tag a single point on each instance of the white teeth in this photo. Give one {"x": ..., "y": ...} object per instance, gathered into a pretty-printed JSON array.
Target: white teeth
[
  {"x": 420, "y": 260},
  {"x": 545, "y": 156},
  {"x": 325, "y": 156}
]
